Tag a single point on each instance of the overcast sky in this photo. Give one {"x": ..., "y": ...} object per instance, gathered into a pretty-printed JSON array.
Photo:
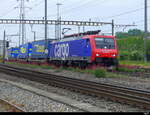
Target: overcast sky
[{"x": 122, "y": 11}]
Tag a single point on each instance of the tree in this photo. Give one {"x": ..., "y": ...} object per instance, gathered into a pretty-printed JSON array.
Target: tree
[{"x": 135, "y": 32}]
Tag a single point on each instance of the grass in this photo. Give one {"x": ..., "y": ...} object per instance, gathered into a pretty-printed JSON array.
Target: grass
[
  {"x": 113, "y": 75},
  {"x": 123, "y": 69},
  {"x": 126, "y": 70},
  {"x": 100, "y": 73},
  {"x": 31, "y": 66},
  {"x": 134, "y": 63}
]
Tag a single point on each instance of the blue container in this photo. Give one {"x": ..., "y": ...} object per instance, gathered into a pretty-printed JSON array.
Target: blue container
[
  {"x": 13, "y": 53},
  {"x": 70, "y": 50},
  {"x": 25, "y": 51},
  {"x": 38, "y": 49}
]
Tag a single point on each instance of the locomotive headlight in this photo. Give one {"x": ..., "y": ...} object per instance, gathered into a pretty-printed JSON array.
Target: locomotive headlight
[
  {"x": 114, "y": 55},
  {"x": 97, "y": 54}
]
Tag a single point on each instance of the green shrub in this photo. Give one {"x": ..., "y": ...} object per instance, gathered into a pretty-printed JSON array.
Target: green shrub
[
  {"x": 100, "y": 73},
  {"x": 136, "y": 55},
  {"x": 132, "y": 48}
]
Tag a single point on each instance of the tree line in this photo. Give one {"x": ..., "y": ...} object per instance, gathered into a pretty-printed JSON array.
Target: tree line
[{"x": 131, "y": 32}]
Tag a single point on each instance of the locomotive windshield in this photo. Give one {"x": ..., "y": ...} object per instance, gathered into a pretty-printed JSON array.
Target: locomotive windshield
[{"x": 105, "y": 43}]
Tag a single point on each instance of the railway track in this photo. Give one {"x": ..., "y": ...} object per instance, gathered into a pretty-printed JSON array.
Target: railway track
[
  {"x": 9, "y": 107},
  {"x": 120, "y": 94}
]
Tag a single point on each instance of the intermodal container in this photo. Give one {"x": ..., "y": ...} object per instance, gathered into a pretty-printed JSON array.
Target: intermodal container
[
  {"x": 40, "y": 49},
  {"x": 25, "y": 51},
  {"x": 13, "y": 53}
]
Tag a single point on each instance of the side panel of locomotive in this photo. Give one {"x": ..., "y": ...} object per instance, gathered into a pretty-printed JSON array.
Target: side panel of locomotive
[{"x": 75, "y": 50}]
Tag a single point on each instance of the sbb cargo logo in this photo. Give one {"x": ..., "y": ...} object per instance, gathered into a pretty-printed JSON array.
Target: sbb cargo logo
[{"x": 61, "y": 50}]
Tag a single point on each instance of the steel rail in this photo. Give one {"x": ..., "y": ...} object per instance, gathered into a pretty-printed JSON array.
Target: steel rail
[
  {"x": 10, "y": 107},
  {"x": 131, "y": 96},
  {"x": 94, "y": 84}
]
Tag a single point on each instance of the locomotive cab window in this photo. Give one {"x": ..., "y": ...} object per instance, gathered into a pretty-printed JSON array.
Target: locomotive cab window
[{"x": 105, "y": 43}]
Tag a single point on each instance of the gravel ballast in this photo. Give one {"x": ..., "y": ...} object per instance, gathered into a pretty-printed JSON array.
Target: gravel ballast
[{"x": 31, "y": 102}]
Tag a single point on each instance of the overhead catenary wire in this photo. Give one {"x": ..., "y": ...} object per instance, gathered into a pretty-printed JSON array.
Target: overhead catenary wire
[
  {"x": 73, "y": 8},
  {"x": 52, "y": 15},
  {"x": 125, "y": 13},
  {"x": 83, "y": 6},
  {"x": 128, "y": 12}
]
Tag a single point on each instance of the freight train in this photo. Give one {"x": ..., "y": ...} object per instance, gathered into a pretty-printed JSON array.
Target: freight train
[{"x": 80, "y": 49}]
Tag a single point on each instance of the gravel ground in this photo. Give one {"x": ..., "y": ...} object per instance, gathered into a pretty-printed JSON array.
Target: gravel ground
[
  {"x": 101, "y": 103},
  {"x": 31, "y": 102}
]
